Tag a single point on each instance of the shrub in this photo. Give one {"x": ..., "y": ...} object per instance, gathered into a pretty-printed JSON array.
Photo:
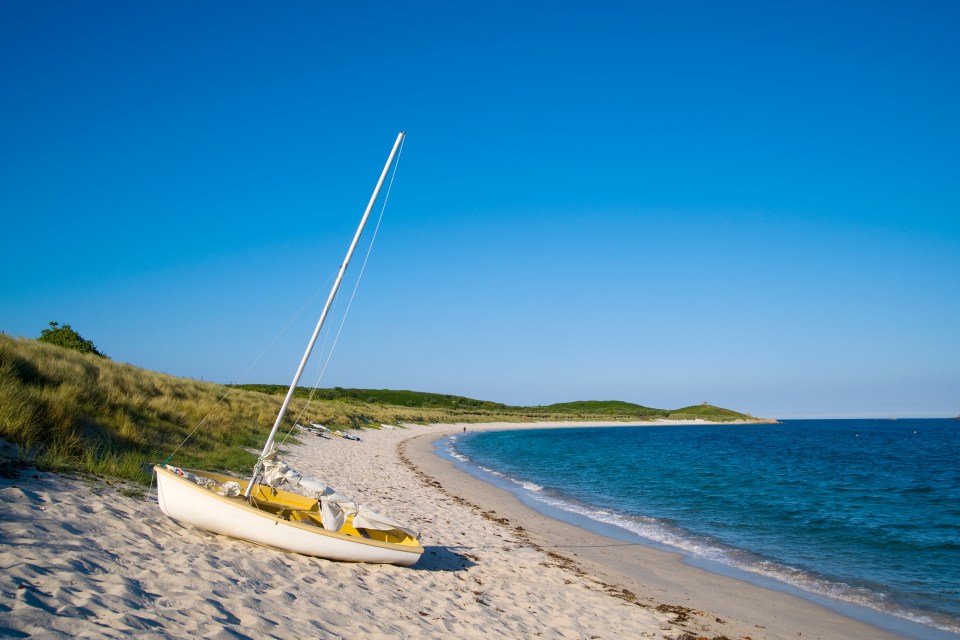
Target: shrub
[{"x": 65, "y": 336}]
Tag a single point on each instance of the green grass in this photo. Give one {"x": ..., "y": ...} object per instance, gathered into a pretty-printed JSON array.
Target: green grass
[
  {"x": 459, "y": 406},
  {"x": 707, "y": 412},
  {"x": 609, "y": 408},
  {"x": 409, "y": 399},
  {"x": 67, "y": 411}
]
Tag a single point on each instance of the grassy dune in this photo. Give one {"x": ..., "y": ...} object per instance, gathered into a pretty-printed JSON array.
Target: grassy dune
[{"x": 66, "y": 411}]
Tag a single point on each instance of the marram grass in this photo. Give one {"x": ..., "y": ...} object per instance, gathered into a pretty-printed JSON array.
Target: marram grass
[{"x": 67, "y": 411}]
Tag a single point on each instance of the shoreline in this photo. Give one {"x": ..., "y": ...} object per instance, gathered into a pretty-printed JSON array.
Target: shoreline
[
  {"x": 715, "y": 603},
  {"x": 84, "y": 556}
]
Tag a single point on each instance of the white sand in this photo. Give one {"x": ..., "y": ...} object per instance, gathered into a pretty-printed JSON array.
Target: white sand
[{"x": 81, "y": 559}]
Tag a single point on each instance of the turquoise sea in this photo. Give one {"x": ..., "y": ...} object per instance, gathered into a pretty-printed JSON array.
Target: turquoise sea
[{"x": 864, "y": 514}]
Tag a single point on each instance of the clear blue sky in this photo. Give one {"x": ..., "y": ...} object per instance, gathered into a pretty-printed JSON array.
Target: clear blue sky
[{"x": 755, "y": 204}]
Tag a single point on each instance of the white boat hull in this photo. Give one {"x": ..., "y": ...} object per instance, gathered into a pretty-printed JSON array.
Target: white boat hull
[{"x": 192, "y": 504}]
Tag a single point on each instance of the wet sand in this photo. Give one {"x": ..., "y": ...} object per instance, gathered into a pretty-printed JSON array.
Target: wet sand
[{"x": 643, "y": 574}]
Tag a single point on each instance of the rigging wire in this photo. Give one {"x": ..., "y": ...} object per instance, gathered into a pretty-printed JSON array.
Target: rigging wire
[
  {"x": 232, "y": 386},
  {"x": 353, "y": 294}
]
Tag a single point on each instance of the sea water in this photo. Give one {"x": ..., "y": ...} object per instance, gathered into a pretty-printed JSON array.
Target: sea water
[{"x": 858, "y": 511}]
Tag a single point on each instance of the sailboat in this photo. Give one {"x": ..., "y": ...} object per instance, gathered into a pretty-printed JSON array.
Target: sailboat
[{"x": 316, "y": 520}]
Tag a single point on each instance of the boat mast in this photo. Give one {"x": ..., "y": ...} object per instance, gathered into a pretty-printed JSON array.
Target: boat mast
[{"x": 323, "y": 315}]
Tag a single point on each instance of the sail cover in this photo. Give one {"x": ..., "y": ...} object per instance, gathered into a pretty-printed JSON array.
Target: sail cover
[
  {"x": 227, "y": 489},
  {"x": 334, "y": 506}
]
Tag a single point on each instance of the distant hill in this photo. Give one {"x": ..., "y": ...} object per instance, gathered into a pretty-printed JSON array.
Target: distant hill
[{"x": 581, "y": 409}]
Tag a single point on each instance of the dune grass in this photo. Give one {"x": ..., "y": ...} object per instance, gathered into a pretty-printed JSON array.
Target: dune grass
[
  {"x": 62, "y": 410},
  {"x": 66, "y": 410}
]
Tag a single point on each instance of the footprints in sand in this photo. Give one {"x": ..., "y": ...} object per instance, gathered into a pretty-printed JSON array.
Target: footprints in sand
[{"x": 107, "y": 565}]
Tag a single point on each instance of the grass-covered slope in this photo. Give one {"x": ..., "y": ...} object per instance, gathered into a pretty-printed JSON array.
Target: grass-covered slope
[
  {"x": 410, "y": 399},
  {"x": 462, "y": 408},
  {"x": 65, "y": 410}
]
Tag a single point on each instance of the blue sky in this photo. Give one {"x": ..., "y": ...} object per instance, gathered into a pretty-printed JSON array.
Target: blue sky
[{"x": 751, "y": 204}]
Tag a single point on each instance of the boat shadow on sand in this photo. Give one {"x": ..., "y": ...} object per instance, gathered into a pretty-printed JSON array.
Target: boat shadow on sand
[{"x": 444, "y": 559}]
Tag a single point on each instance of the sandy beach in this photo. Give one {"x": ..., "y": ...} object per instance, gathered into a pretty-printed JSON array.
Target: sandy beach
[{"x": 81, "y": 557}]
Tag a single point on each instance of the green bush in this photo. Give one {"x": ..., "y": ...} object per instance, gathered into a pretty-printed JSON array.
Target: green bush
[{"x": 64, "y": 336}]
